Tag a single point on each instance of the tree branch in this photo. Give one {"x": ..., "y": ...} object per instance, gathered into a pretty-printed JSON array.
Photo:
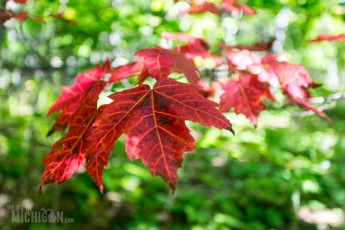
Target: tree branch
[
  {"x": 311, "y": 113},
  {"x": 332, "y": 97}
]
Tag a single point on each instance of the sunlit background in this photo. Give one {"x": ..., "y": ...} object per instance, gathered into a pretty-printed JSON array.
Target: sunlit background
[{"x": 289, "y": 173}]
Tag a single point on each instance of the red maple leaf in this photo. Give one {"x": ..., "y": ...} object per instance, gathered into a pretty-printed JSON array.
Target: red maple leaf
[
  {"x": 246, "y": 62},
  {"x": 154, "y": 123},
  {"x": 241, "y": 60},
  {"x": 71, "y": 97},
  {"x": 197, "y": 8},
  {"x": 233, "y": 6},
  {"x": 125, "y": 71},
  {"x": 245, "y": 96},
  {"x": 160, "y": 63},
  {"x": 69, "y": 152},
  {"x": 295, "y": 82},
  {"x": 328, "y": 37},
  {"x": 82, "y": 83}
]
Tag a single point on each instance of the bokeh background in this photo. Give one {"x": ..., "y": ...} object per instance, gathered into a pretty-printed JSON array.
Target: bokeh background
[{"x": 289, "y": 173}]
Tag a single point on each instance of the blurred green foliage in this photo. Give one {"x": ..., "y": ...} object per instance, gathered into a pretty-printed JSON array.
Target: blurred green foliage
[{"x": 258, "y": 179}]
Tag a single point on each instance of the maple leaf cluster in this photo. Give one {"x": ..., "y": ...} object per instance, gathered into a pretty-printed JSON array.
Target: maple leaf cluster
[
  {"x": 251, "y": 76},
  {"x": 153, "y": 119}
]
